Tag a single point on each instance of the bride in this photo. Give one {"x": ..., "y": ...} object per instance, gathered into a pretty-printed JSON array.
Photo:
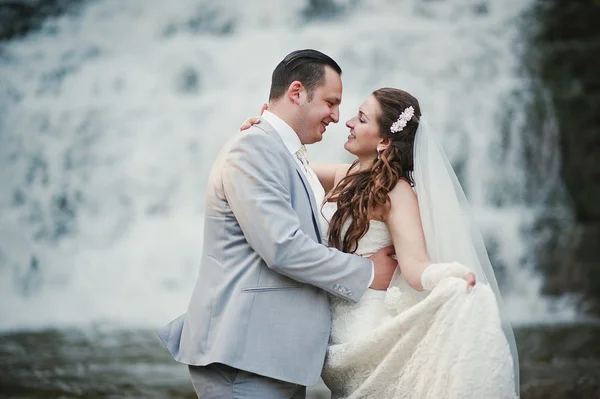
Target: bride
[{"x": 426, "y": 336}]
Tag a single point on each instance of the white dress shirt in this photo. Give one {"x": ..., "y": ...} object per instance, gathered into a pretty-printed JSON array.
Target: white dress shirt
[
  {"x": 293, "y": 144},
  {"x": 287, "y": 134}
]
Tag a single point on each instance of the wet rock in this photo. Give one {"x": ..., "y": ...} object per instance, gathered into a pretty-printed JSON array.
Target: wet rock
[
  {"x": 566, "y": 53},
  {"x": 18, "y": 17}
]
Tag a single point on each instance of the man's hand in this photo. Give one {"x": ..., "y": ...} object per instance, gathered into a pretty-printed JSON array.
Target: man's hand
[{"x": 384, "y": 267}]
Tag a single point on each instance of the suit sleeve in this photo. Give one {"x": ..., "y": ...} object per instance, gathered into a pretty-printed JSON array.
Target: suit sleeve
[{"x": 255, "y": 182}]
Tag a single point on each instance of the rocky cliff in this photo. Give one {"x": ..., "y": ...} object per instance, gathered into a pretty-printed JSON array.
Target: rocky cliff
[{"x": 565, "y": 54}]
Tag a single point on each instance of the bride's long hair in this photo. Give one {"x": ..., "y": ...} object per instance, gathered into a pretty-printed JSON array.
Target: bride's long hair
[{"x": 360, "y": 193}]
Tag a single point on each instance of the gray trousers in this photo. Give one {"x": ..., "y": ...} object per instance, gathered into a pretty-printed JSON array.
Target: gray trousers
[{"x": 219, "y": 381}]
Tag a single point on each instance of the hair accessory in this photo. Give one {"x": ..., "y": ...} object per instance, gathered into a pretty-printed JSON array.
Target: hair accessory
[{"x": 403, "y": 119}]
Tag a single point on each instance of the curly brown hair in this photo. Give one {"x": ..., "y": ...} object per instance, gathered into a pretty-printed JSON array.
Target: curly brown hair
[{"x": 360, "y": 193}]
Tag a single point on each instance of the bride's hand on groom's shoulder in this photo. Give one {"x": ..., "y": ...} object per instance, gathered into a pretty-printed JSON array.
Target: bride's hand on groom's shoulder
[
  {"x": 255, "y": 120},
  {"x": 249, "y": 122}
]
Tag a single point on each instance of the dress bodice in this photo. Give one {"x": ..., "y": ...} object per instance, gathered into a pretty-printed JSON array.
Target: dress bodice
[
  {"x": 377, "y": 236},
  {"x": 350, "y": 320}
]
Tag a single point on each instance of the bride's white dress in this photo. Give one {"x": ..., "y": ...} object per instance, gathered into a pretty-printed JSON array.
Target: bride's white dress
[{"x": 401, "y": 343}]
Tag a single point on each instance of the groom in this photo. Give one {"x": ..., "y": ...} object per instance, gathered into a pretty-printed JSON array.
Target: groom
[{"x": 257, "y": 325}]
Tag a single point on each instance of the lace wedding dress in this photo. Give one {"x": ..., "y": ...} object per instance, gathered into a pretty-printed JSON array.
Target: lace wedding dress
[{"x": 401, "y": 343}]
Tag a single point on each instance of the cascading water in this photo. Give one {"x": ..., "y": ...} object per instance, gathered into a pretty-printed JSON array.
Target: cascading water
[{"x": 110, "y": 119}]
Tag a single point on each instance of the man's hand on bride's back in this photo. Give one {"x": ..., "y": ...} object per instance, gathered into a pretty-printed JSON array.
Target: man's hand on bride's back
[
  {"x": 253, "y": 121},
  {"x": 384, "y": 268}
]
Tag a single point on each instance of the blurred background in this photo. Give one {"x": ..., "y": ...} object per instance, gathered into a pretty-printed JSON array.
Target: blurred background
[{"x": 112, "y": 112}]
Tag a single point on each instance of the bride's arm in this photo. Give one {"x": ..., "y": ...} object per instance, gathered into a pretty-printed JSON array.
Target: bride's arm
[
  {"x": 403, "y": 220},
  {"x": 329, "y": 174},
  {"x": 404, "y": 223}
]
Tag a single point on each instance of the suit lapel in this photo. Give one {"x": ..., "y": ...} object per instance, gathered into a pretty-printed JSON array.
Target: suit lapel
[{"x": 267, "y": 128}]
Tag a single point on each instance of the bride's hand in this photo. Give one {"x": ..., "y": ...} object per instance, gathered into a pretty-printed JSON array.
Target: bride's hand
[
  {"x": 436, "y": 272},
  {"x": 253, "y": 121},
  {"x": 470, "y": 278}
]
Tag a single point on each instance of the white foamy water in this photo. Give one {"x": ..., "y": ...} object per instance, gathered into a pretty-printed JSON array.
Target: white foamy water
[{"x": 111, "y": 118}]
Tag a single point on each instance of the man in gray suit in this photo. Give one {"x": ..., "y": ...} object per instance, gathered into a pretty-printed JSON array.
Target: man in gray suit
[{"x": 257, "y": 325}]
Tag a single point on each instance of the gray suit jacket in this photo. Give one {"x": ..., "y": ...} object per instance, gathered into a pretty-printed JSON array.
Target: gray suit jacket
[{"x": 260, "y": 303}]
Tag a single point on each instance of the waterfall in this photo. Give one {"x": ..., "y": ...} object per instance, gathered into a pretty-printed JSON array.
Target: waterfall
[{"x": 110, "y": 118}]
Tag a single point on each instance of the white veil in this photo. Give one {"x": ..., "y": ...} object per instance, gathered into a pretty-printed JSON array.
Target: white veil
[{"x": 448, "y": 225}]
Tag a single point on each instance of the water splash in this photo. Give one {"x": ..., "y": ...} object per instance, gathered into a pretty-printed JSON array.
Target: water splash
[{"x": 111, "y": 118}]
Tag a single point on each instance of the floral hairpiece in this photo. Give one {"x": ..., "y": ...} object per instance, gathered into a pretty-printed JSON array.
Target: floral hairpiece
[{"x": 403, "y": 119}]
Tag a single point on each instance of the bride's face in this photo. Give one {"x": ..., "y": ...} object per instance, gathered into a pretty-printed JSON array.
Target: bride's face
[{"x": 364, "y": 130}]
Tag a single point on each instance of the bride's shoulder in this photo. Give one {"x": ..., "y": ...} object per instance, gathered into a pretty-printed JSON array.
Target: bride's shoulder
[
  {"x": 402, "y": 193},
  {"x": 341, "y": 171},
  {"x": 403, "y": 204}
]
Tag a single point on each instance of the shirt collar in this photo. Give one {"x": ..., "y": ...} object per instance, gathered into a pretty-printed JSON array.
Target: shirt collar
[{"x": 287, "y": 134}]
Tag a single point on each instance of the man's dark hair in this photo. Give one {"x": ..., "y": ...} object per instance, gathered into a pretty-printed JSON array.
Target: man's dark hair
[{"x": 306, "y": 66}]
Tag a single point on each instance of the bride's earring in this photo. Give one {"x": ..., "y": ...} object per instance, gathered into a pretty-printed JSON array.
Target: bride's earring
[{"x": 379, "y": 154}]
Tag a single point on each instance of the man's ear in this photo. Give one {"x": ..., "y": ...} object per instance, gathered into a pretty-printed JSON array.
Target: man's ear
[
  {"x": 296, "y": 92},
  {"x": 383, "y": 144}
]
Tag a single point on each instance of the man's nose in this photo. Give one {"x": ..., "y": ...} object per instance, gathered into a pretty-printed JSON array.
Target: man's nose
[{"x": 335, "y": 115}]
